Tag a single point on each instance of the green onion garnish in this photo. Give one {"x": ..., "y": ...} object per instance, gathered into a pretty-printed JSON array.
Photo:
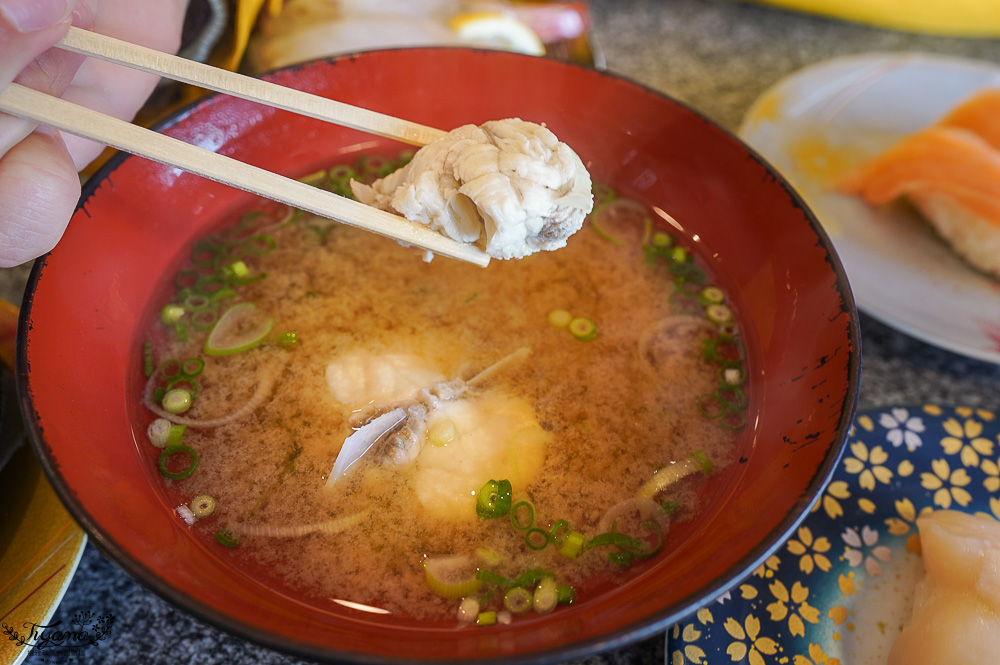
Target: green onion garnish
[
  {"x": 573, "y": 545},
  {"x": 177, "y": 475},
  {"x": 521, "y": 506},
  {"x": 202, "y": 506},
  {"x": 517, "y": 600},
  {"x": 490, "y": 577},
  {"x": 546, "y": 595},
  {"x": 486, "y": 618},
  {"x": 148, "y": 367},
  {"x": 711, "y": 295},
  {"x": 494, "y": 499},
  {"x": 227, "y": 538},
  {"x": 288, "y": 339},
  {"x": 192, "y": 367},
  {"x": 177, "y": 400},
  {"x": 560, "y": 318},
  {"x": 171, "y": 314},
  {"x": 531, "y": 577},
  {"x": 239, "y": 329},
  {"x": 536, "y": 538},
  {"x": 174, "y": 435},
  {"x": 583, "y": 329}
]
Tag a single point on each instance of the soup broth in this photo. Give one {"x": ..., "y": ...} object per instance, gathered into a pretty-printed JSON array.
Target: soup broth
[{"x": 584, "y": 377}]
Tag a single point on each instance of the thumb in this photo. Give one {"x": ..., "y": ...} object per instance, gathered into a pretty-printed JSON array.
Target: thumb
[{"x": 27, "y": 29}]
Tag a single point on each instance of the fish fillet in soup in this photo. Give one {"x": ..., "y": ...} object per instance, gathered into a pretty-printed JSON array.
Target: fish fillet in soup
[
  {"x": 510, "y": 180},
  {"x": 956, "y": 614}
]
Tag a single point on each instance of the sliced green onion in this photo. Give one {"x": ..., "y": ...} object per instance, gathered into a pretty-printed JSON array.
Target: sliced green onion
[
  {"x": 192, "y": 367},
  {"x": 733, "y": 419},
  {"x": 191, "y": 385},
  {"x": 546, "y": 596},
  {"x": 490, "y": 577},
  {"x": 202, "y": 506},
  {"x": 177, "y": 475},
  {"x": 238, "y": 330},
  {"x": 169, "y": 369},
  {"x": 487, "y": 557},
  {"x": 452, "y": 576},
  {"x": 176, "y": 401},
  {"x": 288, "y": 339},
  {"x": 227, "y": 538},
  {"x": 621, "y": 558},
  {"x": 486, "y": 618},
  {"x": 662, "y": 239},
  {"x": 617, "y": 218},
  {"x": 494, "y": 499},
  {"x": 712, "y": 295},
  {"x": 536, "y": 538},
  {"x": 236, "y": 270},
  {"x": 148, "y": 366},
  {"x": 518, "y": 524},
  {"x": 710, "y": 406},
  {"x": 616, "y": 539},
  {"x": 733, "y": 397},
  {"x": 565, "y": 594},
  {"x": 556, "y": 530},
  {"x": 442, "y": 432},
  {"x": 203, "y": 319},
  {"x": 171, "y": 314},
  {"x": 718, "y": 313},
  {"x": 583, "y": 329},
  {"x": 158, "y": 432},
  {"x": 175, "y": 435},
  {"x": 669, "y": 474},
  {"x": 701, "y": 459},
  {"x": 732, "y": 376},
  {"x": 670, "y": 507},
  {"x": 573, "y": 545},
  {"x": 181, "y": 332},
  {"x": 518, "y": 600},
  {"x": 560, "y": 318},
  {"x": 531, "y": 577}
]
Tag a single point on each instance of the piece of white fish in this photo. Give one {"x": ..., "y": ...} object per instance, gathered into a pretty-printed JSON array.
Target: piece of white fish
[{"x": 510, "y": 180}]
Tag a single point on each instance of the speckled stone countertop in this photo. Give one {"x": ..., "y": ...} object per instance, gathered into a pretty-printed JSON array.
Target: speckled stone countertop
[{"x": 717, "y": 56}]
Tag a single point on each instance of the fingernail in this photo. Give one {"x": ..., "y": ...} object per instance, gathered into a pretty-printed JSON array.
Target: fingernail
[{"x": 33, "y": 15}]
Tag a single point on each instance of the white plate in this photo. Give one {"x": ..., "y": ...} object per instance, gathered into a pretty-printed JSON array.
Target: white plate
[{"x": 816, "y": 123}]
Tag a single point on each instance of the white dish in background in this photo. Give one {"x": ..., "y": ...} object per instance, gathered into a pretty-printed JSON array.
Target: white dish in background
[{"x": 816, "y": 123}]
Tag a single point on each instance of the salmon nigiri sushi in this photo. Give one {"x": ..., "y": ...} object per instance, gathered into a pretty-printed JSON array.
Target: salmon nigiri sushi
[{"x": 950, "y": 172}]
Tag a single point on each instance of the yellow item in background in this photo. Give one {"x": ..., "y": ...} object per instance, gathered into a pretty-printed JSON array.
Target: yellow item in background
[
  {"x": 959, "y": 18},
  {"x": 497, "y": 29}
]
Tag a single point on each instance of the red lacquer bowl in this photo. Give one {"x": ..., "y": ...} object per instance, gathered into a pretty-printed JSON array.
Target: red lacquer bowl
[{"x": 79, "y": 335}]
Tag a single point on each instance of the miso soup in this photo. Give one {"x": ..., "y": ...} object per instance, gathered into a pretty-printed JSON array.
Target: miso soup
[{"x": 522, "y": 433}]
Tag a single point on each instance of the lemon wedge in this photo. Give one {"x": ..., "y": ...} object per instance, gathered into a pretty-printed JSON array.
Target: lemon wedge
[{"x": 497, "y": 30}]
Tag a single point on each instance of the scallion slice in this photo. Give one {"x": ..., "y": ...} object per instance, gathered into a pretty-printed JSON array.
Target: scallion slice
[
  {"x": 517, "y": 600},
  {"x": 238, "y": 329},
  {"x": 176, "y": 401},
  {"x": 227, "y": 538},
  {"x": 583, "y": 329},
  {"x": 202, "y": 506},
  {"x": 174, "y": 450},
  {"x": 494, "y": 499}
]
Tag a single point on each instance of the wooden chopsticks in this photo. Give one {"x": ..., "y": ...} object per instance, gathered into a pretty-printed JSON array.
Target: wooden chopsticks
[{"x": 66, "y": 116}]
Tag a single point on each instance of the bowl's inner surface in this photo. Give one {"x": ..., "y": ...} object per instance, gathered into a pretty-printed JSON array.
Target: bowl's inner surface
[{"x": 796, "y": 315}]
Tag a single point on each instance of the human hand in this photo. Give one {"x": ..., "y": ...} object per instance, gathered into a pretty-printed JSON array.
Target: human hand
[{"x": 39, "y": 185}]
